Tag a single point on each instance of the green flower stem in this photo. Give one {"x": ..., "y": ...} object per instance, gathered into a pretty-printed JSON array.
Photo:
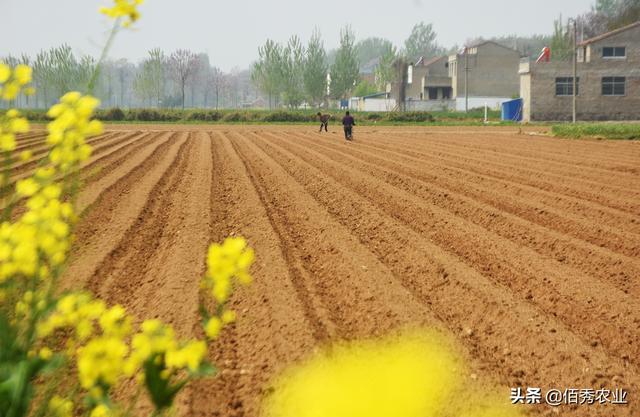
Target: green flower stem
[{"x": 103, "y": 56}]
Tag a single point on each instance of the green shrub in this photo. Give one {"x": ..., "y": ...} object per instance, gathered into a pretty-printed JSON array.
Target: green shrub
[
  {"x": 373, "y": 116},
  {"x": 154, "y": 115},
  {"x": 410, "y": 116},
  {"x": 288, "y": 116},
  {"x": 113, "y": 114},
  {"x": 234, "y": 116},
  {"x": 205, "y": 115}
]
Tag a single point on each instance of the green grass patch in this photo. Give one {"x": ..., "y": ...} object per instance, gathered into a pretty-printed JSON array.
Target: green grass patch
[{"x": 627, "y": 131}]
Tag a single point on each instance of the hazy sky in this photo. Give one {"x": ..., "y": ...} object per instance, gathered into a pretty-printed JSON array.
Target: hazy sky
[{"x": 230, "y": 31}]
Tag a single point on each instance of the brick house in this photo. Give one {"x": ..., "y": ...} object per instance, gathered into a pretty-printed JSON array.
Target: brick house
[
  {"x": 608, "y": 81},
  {"x": 440, "y": 82}
]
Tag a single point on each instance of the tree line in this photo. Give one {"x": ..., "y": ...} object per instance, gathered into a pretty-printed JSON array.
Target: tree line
[
  {"x": 291, "y": 74},
  {"x": 177, "y": 80},
  {"x": 604, "y": 16}
]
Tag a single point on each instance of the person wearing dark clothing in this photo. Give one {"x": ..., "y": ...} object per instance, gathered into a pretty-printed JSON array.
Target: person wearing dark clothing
[
  {"x": 324, "y": 121},
  {"x": 348, "y": 122}
]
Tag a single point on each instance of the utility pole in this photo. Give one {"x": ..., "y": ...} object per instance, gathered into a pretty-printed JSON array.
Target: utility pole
[
  {"x": 575, "y": 68},
  {"x": 466, "y": 79}
]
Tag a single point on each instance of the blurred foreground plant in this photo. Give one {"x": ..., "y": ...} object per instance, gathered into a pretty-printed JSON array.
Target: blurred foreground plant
[
  {"x": 414, "y": 374},
  {"x": 45, "y": 337}
]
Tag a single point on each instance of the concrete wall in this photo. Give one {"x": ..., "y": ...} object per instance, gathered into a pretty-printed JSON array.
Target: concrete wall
[
  {"x": 377, "y": 104},
  {"x": 493, "y": 103},
  {"x": 414, "y": 89},
  {"x": 493, "y": 71},
  {"x": 525, "y": 94},
  {"x": 430, "y": 105}
]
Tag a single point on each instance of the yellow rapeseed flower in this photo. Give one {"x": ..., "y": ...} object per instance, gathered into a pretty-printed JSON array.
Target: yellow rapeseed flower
[
  {"x": 225, "y": 263},
  {"x": 115, "y": 322},
  {"x": 27, "y": 187},
  {"x": 213, "y": 327},
  {"x": 22, "y": 74},
  {"x": 69, "y": 129},
  {"x": 409, "y": 376},
  {"x": 101, "y": 410},
  {"x": 13, "y": 82},
  {"x": 26, "y": 155},
  {"x": 11, "y": 124},
  {"x": 125, "y": 9},
  {"x": 189, "y": 356},
  {"x": 101, "y": 361},
  {"x": 60, "y": 407},
  {"x": 5, "y": 73}
]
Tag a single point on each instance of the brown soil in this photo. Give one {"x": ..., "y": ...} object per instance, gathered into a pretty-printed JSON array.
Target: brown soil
[{"x": 525, "y": 248}]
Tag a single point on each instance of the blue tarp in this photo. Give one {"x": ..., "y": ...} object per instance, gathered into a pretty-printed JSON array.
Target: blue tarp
[{"x": 512, "y": 110}]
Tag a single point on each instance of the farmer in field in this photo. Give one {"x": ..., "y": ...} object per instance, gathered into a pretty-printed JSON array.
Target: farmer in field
[
  {"x": 348, "y": 122},
  {"x": 324, "y": 121}
]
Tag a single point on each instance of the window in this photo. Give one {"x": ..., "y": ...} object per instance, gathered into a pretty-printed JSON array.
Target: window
[
  {"x": 613, "y": 86},
  {"x": 614, "y": 52},
  {"x": 433, "y": 93},
  {"x": 564, "y": 86}
]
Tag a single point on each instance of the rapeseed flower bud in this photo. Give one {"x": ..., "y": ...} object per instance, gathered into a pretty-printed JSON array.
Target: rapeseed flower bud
[
  {"x": 213, "y": 327},
  {"x": 126, "y": 9}
]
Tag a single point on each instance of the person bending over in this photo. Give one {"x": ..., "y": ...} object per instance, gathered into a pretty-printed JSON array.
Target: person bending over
[{"x": 324, "y": 121}]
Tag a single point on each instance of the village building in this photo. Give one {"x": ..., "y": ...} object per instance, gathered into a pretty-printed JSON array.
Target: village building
[
  {"x": 607, "y": 82},
  {"x": 483, "y": 74}
]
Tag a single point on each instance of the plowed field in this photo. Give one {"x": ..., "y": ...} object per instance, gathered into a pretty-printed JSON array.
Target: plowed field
[{"x": 525, "y": 248}]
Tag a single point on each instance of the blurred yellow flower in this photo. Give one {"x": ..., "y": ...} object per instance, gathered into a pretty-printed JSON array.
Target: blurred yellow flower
[
  {"x": 189, "y": 356},
  {"x": 408, "y": 376},
  {"x": 126, "y": 9},
  {"x": 101, "y": 362},
  {"x": 11, "y": 124},
  {"x": 101, "y": 410},
  {"x": 5, "y": 73},
  {"x": 26, "y": 155},
  {"x": 213, "y": 327},
  {"x": 13, "y": 82},
  {"x": 60, "y": 407},
  {"x": 22, "y": 74}
]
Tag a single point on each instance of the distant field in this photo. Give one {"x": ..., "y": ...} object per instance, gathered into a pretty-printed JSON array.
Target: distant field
[{"x": 524, "y": 248}]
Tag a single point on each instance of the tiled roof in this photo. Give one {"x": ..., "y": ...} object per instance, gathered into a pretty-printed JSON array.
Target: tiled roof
[{"x": 613, "y": 32}]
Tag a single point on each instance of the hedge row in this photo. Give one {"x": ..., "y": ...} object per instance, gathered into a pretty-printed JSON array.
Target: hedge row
[{"x": 255, "y": 116}]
